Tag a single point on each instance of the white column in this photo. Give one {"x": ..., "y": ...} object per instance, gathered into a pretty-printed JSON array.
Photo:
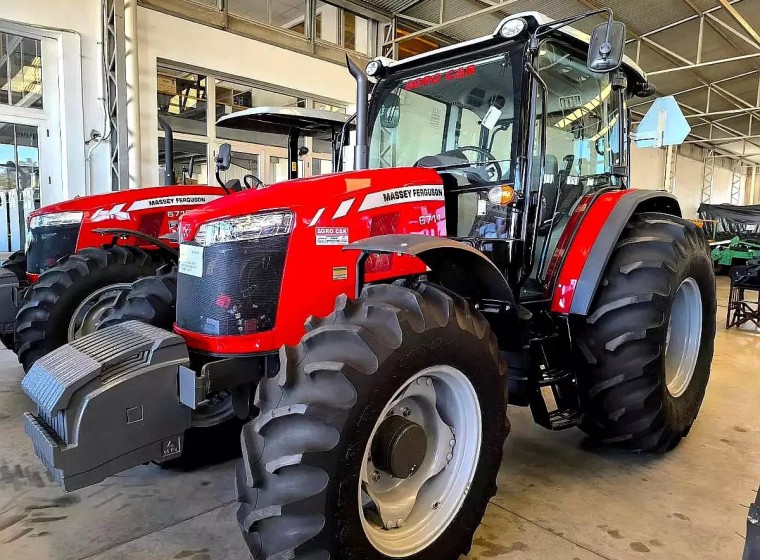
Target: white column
[{"x": 133, "y": 94}]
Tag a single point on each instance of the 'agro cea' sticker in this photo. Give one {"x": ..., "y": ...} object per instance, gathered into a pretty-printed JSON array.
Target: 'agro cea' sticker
[{"x": 331, "y": 235}]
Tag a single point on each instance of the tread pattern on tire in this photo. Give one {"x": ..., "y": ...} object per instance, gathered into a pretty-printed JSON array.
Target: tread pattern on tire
[
  {"x": 285, "y": 472},
  {"x": 621, "y": 363},
  {"x": 152, "y": 300},
  {"x": 32, "y": 320}
]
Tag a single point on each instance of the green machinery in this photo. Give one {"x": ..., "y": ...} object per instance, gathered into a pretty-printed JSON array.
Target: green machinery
[{"x": 733, "y": 252}]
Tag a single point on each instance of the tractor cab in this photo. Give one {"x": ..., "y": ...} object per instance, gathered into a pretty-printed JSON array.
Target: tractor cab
[
  {"x": 293, "y": 122},
  {"x": 520, "y": 125}
]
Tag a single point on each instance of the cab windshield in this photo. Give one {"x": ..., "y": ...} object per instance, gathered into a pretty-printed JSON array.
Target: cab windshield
[{"x": 449, "y": 116}]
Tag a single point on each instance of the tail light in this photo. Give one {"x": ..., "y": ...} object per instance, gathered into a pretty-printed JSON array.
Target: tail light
[
  {"x": 383, "y": 224},
  {"x": 564, "y": 242}
]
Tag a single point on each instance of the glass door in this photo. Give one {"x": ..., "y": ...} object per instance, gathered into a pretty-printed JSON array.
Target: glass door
[{"x": 19, "y": 181}]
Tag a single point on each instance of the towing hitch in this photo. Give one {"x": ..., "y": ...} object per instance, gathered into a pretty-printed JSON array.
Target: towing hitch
[{"x": 107, "y": 402}]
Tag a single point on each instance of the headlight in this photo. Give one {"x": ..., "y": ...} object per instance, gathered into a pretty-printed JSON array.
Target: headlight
[
  {"x": 374, "y": 68},
  {"x": 252, "y": 226},
  {"x": 513, "y": 27},
  {"x": 55, "y": 219}
]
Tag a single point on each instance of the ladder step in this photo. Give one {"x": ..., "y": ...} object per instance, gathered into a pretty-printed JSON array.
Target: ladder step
[
  {"x": 563, "y": 419},
  {"x": 553, "y": 376}
]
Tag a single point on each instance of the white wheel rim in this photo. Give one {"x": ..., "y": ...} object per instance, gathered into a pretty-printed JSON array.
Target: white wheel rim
[
  {"x": 684, "y": 337},
  {"x": 443, "y": 401},
  {"x": 90, "y": 316}
]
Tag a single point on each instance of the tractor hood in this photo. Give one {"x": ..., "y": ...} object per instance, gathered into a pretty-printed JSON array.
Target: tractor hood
[
  {"x": 309, "y": 199},
  {"x": 175, "y": 195}
]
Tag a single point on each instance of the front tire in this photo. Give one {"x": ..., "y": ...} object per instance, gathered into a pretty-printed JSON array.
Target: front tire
[
  {"x": 45, "y": 319},
  {"x": 645, "y": 348},
  {"x": 303, "y": 485}
]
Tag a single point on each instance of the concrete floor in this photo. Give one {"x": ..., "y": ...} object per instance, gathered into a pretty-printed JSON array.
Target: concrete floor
[{"x": 557, "y": 499}]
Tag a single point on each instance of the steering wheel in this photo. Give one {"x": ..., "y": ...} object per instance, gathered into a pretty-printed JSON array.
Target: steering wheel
[
  {"x": 493, "y": 169},
  {"x": 251, "y": 181}
]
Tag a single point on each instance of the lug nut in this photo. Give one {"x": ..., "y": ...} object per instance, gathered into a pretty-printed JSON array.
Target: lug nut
[
  {"x": 400, "y": 523},
  {"x": 389, "y": 525},
  {"x": 375, "y": 476},
  {"x": 428, "y": 381},
  {"x": 452, "y": 442},
  {"x": 436, "y": 505},
  {"x": 405, "y": 412},
  {"x": 449, "y": 457}
]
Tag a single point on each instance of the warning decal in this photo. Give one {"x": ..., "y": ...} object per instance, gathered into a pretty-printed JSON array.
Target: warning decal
[
  {"x": 331, "y": 235},
  {"x": 403, "y": 194}
]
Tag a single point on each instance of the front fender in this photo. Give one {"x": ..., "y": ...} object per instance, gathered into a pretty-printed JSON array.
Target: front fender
[
  {"x": 462, "y": 269},
  {"x": 596, "y": 237}
]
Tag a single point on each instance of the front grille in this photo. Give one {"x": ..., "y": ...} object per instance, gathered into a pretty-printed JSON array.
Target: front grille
[
  {"x": 239, "y": 289},
  {"x": 48, "y": 244}
]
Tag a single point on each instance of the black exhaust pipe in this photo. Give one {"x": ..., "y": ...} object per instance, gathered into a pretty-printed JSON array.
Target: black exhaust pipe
[
  {"x": 168, "y": 152},
  {"x": 361, "y": 151}
]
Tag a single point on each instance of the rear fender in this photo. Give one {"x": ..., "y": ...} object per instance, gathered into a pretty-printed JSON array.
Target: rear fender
[
  {"x": 460, "y": 268},
  {"x": 596, "y": 237}
]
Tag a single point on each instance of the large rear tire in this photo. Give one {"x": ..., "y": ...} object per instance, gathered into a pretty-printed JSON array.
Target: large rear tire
[
  {"x": 215, "y": 433},
  {"x": 310, "y": 484},
  {"x": 646, "y": 346},
  {"x": 55, "y": 304}
]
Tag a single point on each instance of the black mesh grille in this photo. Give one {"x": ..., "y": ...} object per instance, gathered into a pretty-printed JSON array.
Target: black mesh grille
[
  {"x": 48, "y": 244},
  {"x": 239, "y": 290}
]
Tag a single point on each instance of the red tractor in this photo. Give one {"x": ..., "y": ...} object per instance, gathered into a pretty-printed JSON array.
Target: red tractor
[
  {"x": 82, "y": 253},
  {"x": 368, "y": 324}
]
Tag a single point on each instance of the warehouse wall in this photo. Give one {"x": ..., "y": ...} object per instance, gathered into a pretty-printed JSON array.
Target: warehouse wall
[
  {"x": 648, "y": 172},
  {"x": 180, "y": 41}
]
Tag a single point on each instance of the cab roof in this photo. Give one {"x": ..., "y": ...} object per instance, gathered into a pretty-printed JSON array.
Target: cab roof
[{"x": 534, "y": 20}]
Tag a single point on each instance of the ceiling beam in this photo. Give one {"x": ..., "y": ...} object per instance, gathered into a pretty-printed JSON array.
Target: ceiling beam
[
  {"x": 740, "y": 20},
  {"x": 702, "y": 64}
]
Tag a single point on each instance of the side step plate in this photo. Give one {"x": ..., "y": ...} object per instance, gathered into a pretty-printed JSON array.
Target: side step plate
[{"x": 107, "y": 402}]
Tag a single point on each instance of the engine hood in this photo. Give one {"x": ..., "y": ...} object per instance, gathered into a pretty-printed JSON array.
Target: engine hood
[
  {"x": 308, "y": 198},
  {"x": 95, "y": 202}
]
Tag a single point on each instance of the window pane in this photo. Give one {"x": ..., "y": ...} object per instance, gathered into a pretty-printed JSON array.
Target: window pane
[
  {"x": 190, "y": 162},
  {"x": 242, "y": 164},
  {"x": 182, "y": 100},
  {"x": 20, "y": 71},
  {"x": 418, "y": 45},
  {"x": 232, "y": 97},
  {"x": 286, "y": 14},
  {"x": 327, "y": 22},
  {"x": 356, "y": 32}
]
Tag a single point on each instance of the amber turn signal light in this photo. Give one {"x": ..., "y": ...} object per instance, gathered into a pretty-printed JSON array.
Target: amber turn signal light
[{"x": 502, "y": 195}]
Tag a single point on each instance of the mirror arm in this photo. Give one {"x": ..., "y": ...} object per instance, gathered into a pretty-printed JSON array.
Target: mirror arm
[
  {"x": 221, "y": 183},
  {"x": 547, "y": 28}
]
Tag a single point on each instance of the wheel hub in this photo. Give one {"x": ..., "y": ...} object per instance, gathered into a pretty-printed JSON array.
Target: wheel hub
[
  {"x": 683, "y": 337},
  {"x": 88, "y": 314},
  {"x": 419, "y": 461},
  {"x": 399, "y": 447}
]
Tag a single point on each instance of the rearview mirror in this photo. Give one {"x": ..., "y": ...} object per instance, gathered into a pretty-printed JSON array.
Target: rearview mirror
[
  {"x": 606, "y": 48},
  {"x": 224, "y": 157},
  {"x": 390, "y": 112}
]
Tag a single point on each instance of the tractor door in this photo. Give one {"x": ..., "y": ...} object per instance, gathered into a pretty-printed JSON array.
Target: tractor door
[{"x": 581, "y": 131}]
